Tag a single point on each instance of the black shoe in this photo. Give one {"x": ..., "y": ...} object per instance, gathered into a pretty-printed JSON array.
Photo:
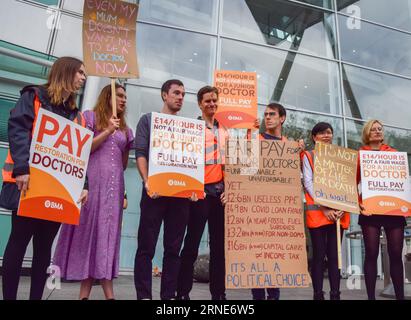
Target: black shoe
[
  {"x": 318, "y": 295},
  {"x": 183, "y": 297},
  {"x": 335, "y": 295},
  {"x": 219, "y": 297}
]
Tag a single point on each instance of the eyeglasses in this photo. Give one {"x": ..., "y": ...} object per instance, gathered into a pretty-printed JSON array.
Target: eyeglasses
[
  {"x": 379, "y": 129},
  {"x": 269, "y": 114}
]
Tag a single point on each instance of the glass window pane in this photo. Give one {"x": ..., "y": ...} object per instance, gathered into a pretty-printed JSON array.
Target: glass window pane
[
  {"x": 49, "y": 2},
  {"x": 77, "y": 5},
  {"x": 281, "y": 24},
  {"x": 193, "y": 14},
  {"x": 298, "y": 125},
  {"x": 370, "y": 95},
  {"x": 396, "y": 138},
  {"x": 295, "y": 80},
  {"x": 376, "y": 47},
  {"x": 25, "y": 24},
  {"x": 329, "y": 4},
  {"x": 397, "y": 15},
  {"x": 143, "y": 100},
  {"x": 165, "y": 53},
  {"x": 5, "y": 106},
  {"x": 12, "y": 68},
  {"x": 70, "y": 32}
]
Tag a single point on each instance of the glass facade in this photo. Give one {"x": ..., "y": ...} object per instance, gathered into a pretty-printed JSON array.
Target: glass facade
[{"x": 340, "y": 61}]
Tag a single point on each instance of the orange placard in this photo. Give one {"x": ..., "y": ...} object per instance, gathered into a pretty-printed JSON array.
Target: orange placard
[
  {"x": 385, "y": 183},
  {"x": 59, "y": 154},
  {"x": 176, "y": 164},
  {"x": 265, "y": 243},
  {"x": 237, "y": 106},
  {"x": 109, "y": 39}
]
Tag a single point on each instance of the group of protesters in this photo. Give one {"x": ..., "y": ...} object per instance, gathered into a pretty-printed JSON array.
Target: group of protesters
[{"x": 90, "y": 250}]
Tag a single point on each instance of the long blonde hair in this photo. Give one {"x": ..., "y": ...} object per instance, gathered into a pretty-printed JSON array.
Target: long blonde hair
[
  {"x": 366, "y": 131},
  {"x": 103, "y": 109},
  {"x": 61, "y": 79}
]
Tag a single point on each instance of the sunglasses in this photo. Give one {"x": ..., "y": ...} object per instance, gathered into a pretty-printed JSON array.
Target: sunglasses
[{"x": 269, "y": 114}]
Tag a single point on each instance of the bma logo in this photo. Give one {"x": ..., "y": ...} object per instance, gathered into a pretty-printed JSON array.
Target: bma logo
[
  {"x": 176, "y": 183},
  {"x": 235, "y": 118},
  {"x": 53, "y": 205},
  {"x": 386, "y": 204}
]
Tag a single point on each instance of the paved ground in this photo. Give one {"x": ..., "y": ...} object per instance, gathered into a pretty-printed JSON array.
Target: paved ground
[{"x": 124, "y": 290}]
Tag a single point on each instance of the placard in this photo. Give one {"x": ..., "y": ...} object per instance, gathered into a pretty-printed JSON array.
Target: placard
[
  {"x": 265, "y": 242},
  {"x": 59, "y": 155},
  {"x": 176, "y": 164},
  {"x": 109, "y": 38},
  {"x": 237, "y": 103},
  {"x": 385, "y": 183},
  {"x": 335, "y": 177}
]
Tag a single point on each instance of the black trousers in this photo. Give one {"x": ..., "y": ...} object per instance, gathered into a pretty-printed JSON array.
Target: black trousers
[
  {"x": 324, "y": 242},
  {"x": 22, "y": 230},
  {"x": 212, "y": 210},
  {"x": 174, "y": 212}
]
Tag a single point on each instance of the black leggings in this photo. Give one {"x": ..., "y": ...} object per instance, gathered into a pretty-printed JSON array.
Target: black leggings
[
  {"x": 324, "y": 242},
  {"x": 395, "y": 242},
  {"x": 22, "y": 230}
]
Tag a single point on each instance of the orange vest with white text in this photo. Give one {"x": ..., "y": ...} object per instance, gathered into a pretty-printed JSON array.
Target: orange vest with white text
[
  {"x": 314, "y": 215},
  {"x": 7, "y": 170},
  {"x": 214, "y": 154}
]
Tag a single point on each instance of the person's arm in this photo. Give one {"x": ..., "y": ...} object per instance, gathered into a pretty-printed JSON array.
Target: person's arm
[
  {"x": 113, "y": 125},
  {"x": 142, "y": 144},
  {"x": 142, "y": 167},
  {"x": 20, "y": 125},
  {"x": 308, "y": 177},
  {"x": 308, "y": 181}
]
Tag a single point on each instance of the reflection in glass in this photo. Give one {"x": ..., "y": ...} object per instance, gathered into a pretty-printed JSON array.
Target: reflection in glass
[
  {"x": 320, "y": 3},
  {"x": 398, "y": 15},
  {"x": 370, "y": 94},
  {"x": 18, "y": 67},
  {"x": 77, "y": 5},
  {"x": 298, "y": 125},
  {"x": 193, "y": 14},
  {"x": 25, "y": 24},
  {"x": 70, "y": 32},
  {"x": 144, "y": 100},
  {"x": 376, "y": 47},
  {"x": 295, "y": 80},
  {"x": 165, "y": 53},
  {"x": 281, "y": 24},
  {"x": 5, "y": 106}
]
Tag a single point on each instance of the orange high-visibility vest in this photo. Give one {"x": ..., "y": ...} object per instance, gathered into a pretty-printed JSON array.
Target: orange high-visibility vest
[
  {"x": 314, "y": 215},
  {"x": 283, "y": 138},
  {"x": 8, "y": 166},
  {"x": 214, "y": 154}
]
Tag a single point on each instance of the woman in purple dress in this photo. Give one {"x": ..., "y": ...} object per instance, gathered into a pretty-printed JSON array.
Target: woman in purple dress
[{"x": 91, "y": 250}]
